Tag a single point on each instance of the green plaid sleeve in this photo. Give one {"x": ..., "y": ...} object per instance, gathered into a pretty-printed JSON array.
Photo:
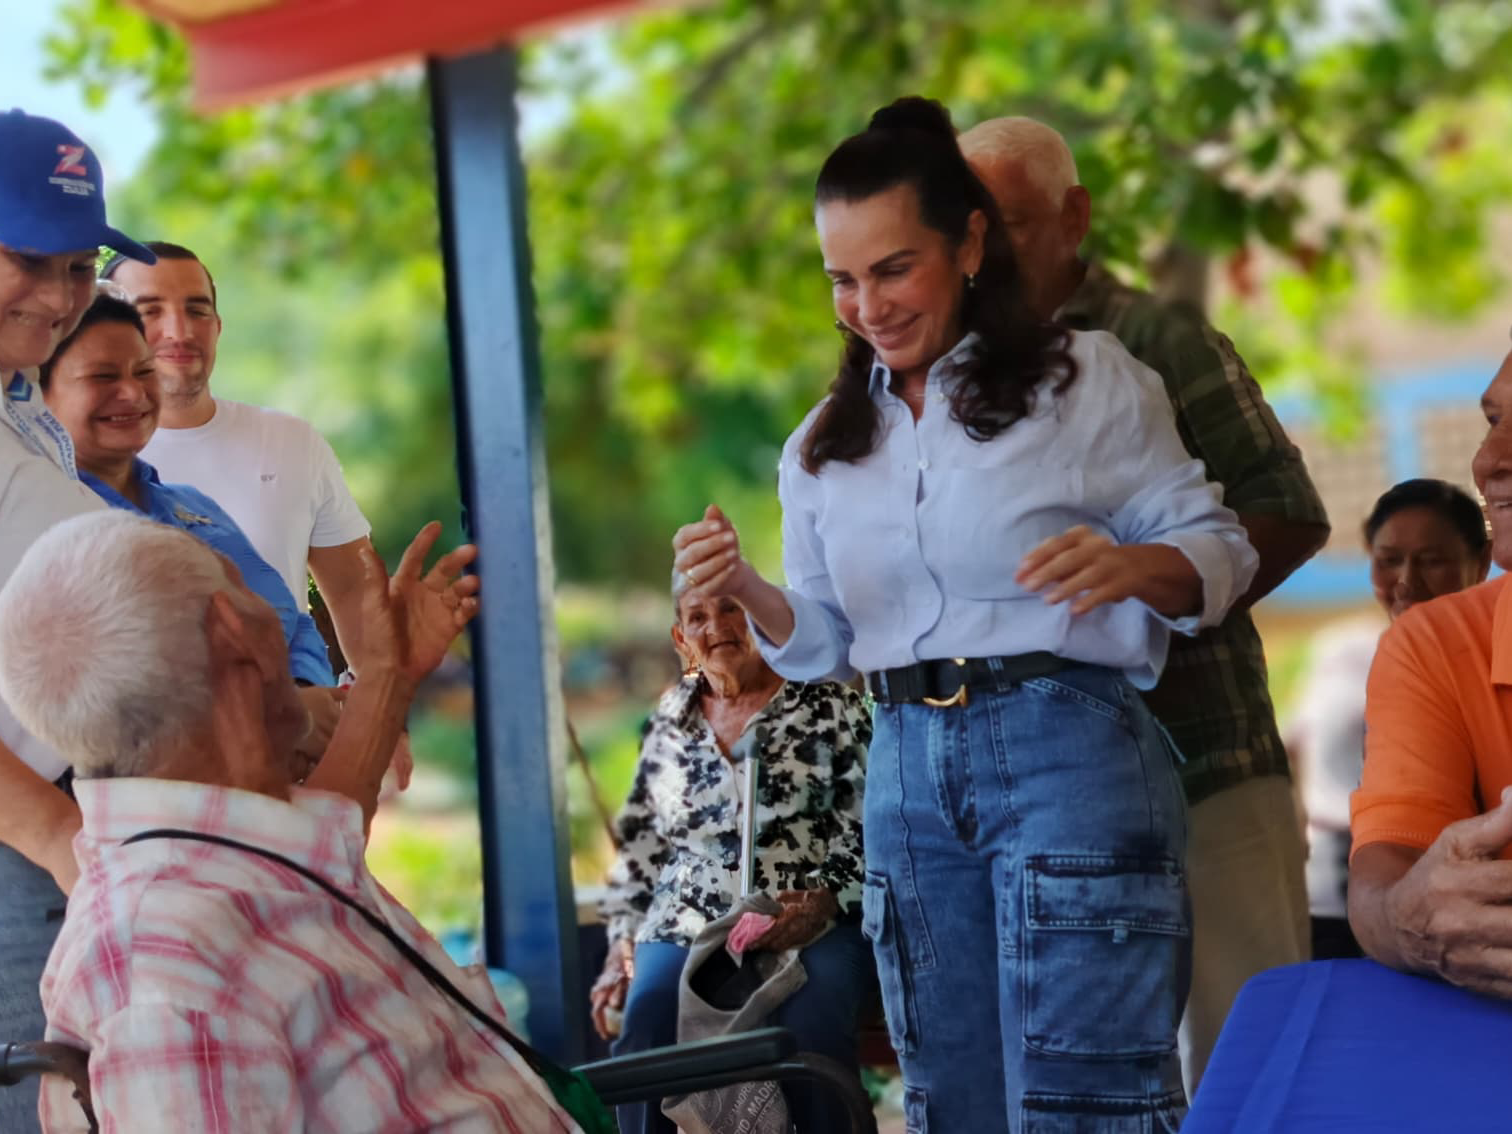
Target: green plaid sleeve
[{"x": 1223, "y": 415}]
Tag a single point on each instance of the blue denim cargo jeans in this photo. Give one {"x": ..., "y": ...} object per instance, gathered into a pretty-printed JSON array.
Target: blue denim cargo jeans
[{"x": 1026, "y": 900}]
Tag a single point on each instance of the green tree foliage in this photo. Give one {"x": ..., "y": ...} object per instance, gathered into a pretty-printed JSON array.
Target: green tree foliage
[{"x": 686, "y": 325}]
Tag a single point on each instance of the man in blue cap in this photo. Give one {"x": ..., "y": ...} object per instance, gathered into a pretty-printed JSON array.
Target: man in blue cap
[{"x": 52, "y": 225}]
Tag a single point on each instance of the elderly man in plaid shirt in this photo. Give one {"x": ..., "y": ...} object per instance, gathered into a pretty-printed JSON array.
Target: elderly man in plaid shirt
[
  {"x": 1245, "y": 848},
  {"x": 218, "y": 988}
]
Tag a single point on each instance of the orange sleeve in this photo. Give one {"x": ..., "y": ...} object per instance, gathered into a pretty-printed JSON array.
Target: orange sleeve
[{"x": 1419, "y": 759}]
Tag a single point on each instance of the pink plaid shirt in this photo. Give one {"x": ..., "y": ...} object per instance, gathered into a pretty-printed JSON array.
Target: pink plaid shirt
[{"x": 218, "y": 991}]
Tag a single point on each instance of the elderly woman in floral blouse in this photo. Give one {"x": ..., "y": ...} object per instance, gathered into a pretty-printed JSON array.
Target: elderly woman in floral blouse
[{"x": 678, "y": 866}]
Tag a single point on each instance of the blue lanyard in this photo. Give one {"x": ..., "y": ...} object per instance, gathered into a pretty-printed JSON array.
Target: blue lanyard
[{"x": 39, "y": 429}]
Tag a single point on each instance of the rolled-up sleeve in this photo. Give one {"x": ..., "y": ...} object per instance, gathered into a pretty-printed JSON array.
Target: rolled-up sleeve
[
  {"x": 1175, "y": 503},
  {"x": 819, "y": 647}
]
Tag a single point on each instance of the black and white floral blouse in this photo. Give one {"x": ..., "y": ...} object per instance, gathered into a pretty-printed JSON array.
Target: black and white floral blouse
[{"x": 679, "y": 863}]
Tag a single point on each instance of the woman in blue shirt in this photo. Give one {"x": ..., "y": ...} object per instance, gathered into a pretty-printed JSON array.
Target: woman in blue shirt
[
  {"x": 994, "y": 519},
  {"x": 101, "y": 385}
]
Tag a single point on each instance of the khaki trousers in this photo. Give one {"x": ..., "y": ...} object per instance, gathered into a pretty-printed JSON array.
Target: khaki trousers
[{"x": 1245, "y": 860}]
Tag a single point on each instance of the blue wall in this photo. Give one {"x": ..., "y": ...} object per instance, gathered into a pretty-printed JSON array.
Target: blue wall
[{"x": 1397, "y": 402}]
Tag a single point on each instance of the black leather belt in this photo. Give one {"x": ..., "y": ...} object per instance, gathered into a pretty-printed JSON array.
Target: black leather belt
[{"x": 943, "y": 682}]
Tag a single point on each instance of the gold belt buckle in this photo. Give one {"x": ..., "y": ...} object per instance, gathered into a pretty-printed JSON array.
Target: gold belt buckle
[{"x": 956, "y": 698}]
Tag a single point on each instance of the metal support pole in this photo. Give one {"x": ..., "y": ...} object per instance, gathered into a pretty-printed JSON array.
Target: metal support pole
[
  {"x": 750, "y": 791},
  {"x": 529, "y": 917}
]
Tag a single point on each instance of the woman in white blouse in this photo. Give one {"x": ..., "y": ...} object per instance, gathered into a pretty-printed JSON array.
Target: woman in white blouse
[{"x": 994, "y": 519}]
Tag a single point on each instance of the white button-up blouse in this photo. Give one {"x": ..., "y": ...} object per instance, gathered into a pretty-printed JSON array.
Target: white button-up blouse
[{"x": 909, "y": 553}]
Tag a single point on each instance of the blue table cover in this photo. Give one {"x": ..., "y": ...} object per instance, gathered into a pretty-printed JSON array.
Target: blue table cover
[{"x": 1352, "y": 1047}]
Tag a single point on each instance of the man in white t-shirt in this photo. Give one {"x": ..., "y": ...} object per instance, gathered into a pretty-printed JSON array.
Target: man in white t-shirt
[{"x": 277, "y": 477}]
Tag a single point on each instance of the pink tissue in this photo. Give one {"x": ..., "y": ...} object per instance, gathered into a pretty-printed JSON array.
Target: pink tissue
[{"x": 747, "y": 931}]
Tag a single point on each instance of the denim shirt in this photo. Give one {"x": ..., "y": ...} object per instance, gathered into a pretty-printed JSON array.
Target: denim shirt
[
  {"x": 190, "y": 510},
  {"x": 909, "y": 553}
]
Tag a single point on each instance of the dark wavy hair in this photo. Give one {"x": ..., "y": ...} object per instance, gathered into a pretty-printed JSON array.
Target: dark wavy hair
[
  {"x": 912, "y": 142},
  {"x": 1453, "y": 504},
  {"x": 105, "y": 309}
]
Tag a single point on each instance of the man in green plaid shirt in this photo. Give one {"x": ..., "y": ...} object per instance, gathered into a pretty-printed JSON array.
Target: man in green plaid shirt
[{"x": 1245, "y": 849}]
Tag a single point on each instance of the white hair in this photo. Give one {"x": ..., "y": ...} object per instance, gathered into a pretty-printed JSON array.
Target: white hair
[
  {"x": 103, "y": 651},
  {"x": 1042, "y": 152}
]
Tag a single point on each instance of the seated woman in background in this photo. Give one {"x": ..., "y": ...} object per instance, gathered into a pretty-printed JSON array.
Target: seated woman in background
[
  {"x": 1425, "y": 538},
  {"x": 677, "y": 868},
  {"x": 102, "y": 386}
]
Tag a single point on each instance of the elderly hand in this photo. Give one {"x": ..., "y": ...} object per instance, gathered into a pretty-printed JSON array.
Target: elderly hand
[
  {"x": 323, "y": 703},
  {"x": 708, "y": 554},
  {"x": 1450, "y": 914},
  {"x": 606, "y": 999},
  {"x": 409, "y": 621},
  {"x": 805, "y": 914},
  {"x": 1090, "y": 568}
]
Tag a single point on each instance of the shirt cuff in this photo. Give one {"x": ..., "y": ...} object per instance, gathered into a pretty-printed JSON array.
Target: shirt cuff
[
  {"x": 1225, "y": 565},
  {"x": 815, "y": 651},
  {"x": 1382, "y": 817}
]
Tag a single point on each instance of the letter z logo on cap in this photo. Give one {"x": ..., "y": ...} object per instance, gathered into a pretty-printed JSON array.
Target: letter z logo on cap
[{"x": 70, "y": 161}]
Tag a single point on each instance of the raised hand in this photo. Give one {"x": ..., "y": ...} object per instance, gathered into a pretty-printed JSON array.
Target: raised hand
[
  {"x": 708, "y": 553},
  {"x": 410, "y": 620}
]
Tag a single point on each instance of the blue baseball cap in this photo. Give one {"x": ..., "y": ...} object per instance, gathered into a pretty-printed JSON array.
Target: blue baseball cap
[{"x": 52, "y": 193}]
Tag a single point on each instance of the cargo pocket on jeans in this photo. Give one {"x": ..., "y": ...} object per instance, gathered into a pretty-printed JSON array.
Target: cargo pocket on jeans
[
  {"x": 1104, "y": 955},
  {"x": 915, "y": 1111},
  {"x": 879, "y": 922},
  {"x": 1091, "y": 1114}
]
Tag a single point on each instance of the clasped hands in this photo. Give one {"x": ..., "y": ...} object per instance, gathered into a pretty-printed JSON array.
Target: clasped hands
[{"x": 1451, "y": 912}]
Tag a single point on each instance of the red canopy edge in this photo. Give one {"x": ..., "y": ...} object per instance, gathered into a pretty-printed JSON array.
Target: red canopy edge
[{"x": 299, "y": 45}]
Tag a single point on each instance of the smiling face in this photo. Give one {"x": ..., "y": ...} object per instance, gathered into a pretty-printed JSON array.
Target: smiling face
[
  {"x": 1417, "y": 555},
  {"x": 713, "y": 635},
  {"x": 1492, "y": 465},
  {"x": 42, "y": 299},
  {"x": 897, "y": 283},
  {"x": 104, "y": 390},
  {"x": 177, "y": 303}
]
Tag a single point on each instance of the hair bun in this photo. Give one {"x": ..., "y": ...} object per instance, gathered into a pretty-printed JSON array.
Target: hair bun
[{"x": 915, "y": 113}]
